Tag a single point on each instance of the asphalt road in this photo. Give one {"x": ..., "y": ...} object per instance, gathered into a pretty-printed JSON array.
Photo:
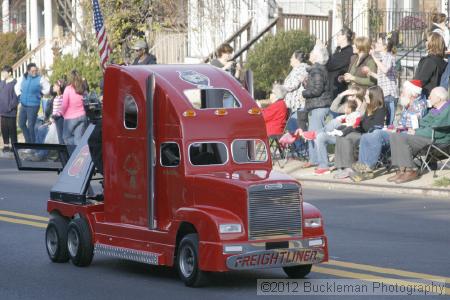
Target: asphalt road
[{"x": 369, "y": 234}]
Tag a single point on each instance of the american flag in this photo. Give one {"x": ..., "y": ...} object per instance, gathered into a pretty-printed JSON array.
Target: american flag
[{"x": 103, "y": 45}]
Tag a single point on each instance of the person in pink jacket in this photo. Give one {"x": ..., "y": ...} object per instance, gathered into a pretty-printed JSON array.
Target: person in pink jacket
[{"x": 72, "y": 109}]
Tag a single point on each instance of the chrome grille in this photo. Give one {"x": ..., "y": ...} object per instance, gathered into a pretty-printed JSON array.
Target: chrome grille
[{"x": 274, "y": 212}]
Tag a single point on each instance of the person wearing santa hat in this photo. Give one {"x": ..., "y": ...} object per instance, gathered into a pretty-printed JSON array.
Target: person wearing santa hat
[{"x": 372, "y": 144}]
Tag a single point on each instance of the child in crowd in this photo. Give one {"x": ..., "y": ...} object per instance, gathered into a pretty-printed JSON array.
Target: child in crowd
[
  {"x": 349, "y": 122},
  {"x": 57, "y": 91}
]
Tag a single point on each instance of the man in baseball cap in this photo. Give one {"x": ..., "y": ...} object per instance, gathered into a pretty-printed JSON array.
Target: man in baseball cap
[{"x": 143, "y": 57}]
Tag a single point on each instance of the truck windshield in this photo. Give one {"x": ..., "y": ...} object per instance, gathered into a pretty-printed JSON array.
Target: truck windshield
[
  {"x": 209, "y": 98},
  {"x": 208, "y": 153},
  {"x": 249, "y": 151}
]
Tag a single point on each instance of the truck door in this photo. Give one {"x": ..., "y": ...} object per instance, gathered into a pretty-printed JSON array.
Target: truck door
[{"x": 125, "y": 154}]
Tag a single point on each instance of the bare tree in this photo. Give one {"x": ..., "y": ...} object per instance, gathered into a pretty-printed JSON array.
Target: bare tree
[{"x": 81, "y": 30}]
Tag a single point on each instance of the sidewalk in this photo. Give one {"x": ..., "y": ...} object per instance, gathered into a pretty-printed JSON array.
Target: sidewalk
[
  {"x": 20, "y": 139},
  {"x": 423, "y": 186}
]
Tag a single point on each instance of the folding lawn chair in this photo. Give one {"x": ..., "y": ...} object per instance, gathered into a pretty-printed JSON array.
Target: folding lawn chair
[
  {"x": 384, "y": 161},
  {"x": 280, "y": 153},
  {"x": 435, "y": 152},
  {"x": 277, "y": 150}
]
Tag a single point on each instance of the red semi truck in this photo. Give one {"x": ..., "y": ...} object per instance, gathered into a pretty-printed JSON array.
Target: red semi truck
[{"x": 187, "y": 181}]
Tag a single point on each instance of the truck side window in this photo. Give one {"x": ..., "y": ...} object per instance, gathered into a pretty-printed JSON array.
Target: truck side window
[
  {"x": 130, "y": 113},
  {"x": 170, "y": 154},
  {"x": 203, "y": 154},
  {"x": 211, "y": 98},
  {"x": 249, "y": 151}
]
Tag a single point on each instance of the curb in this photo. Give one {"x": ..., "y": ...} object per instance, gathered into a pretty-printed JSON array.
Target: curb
[{"x": 380, "y": 188}]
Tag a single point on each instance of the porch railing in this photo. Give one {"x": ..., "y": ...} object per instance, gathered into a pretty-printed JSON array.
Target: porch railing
[
  {"x": 235, "y": 40},
  {"x": 37, "y": 55},
  {"x": 319, "y": 26},
  {"x": 407, "y": 29}
]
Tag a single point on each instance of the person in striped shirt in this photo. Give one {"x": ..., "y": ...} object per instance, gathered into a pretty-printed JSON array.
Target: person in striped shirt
[{"x": 57, "y": 91}]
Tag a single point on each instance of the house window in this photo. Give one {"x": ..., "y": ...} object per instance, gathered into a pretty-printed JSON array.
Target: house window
[{"x": 130, "y": 113}]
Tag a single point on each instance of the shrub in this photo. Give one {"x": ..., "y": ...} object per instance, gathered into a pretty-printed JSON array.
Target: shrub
[
  {"x": 442, "y": 182},
  {"x": 88, "y": 65},
  {"x": 269, "y": 59},
  {"x": 14, "y": 47}
]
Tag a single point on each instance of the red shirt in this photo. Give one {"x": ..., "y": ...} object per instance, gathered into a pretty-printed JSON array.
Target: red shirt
[{"x": 275, "y": 117}]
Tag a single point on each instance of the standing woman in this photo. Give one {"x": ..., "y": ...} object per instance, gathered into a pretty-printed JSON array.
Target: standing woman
[
  {"x": 432, "y": 66},
  {"x": 440, "y": 27},
  {"x": 340, "y": 61},
  {"x": 373, "y": 118},
  {"x": 357, "y": 73},
  {"x": 317, "y": 96},
  {"x": 72, "y": 110},
  {"x": 8, "y": 108},
  {"x": 384, "y": 57},
  {"x": 294, "y": 99}
]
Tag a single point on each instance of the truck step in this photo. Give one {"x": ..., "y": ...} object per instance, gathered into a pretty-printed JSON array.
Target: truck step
[{"x": 128, "y": 254}]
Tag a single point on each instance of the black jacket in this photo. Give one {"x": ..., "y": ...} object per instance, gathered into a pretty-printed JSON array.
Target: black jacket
[
  {"x": 430, "y": 70},
  {"x": 338, "y": 65},
  {"x": 8, "y": 99},
  {"x": 376, "y": 120},
  {"x": 317, "y": 90},
  {"x": 149, "y": 60}
]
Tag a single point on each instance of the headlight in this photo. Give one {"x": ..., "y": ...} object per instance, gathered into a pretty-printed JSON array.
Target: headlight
[
  {"x": 313, "y": 222},
  {"x": 230, "y": 228}
]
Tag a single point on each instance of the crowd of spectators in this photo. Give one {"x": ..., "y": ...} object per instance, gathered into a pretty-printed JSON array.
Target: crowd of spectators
[
  {"x": 62, "y": 114},
  {"x": 351, "y": 98}
]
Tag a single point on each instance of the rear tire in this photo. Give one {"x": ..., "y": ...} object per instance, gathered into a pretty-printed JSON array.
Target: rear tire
[
  {"x": 187, "y": 262},
  {"x": 56, "y": 239},
  {"x": 79, "y": 243},
  {"x": 297, "y": 272}
]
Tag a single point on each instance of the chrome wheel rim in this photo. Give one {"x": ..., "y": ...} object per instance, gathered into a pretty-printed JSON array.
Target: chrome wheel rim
[
  {"x": 52, "y": 240},
  {"x": 187, "y": 261},
  {"x": 73, "y": 242}
]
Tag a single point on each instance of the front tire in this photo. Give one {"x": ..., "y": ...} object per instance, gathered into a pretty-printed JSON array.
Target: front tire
[
  {"x": 56, "y": 239},
  {"x": 79, "y": 243},
  {"x": 187, "y": 261},
  {"x": 297, "y": 272}
]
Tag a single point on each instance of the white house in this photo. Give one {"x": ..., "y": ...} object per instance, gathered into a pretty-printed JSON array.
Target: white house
[
  {"x": 44, "y": 27},
  {"x": 210, "y": 22}
]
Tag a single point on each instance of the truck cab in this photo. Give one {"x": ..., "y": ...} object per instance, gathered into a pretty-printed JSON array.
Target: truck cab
[{"x": 187, "y": 181}]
